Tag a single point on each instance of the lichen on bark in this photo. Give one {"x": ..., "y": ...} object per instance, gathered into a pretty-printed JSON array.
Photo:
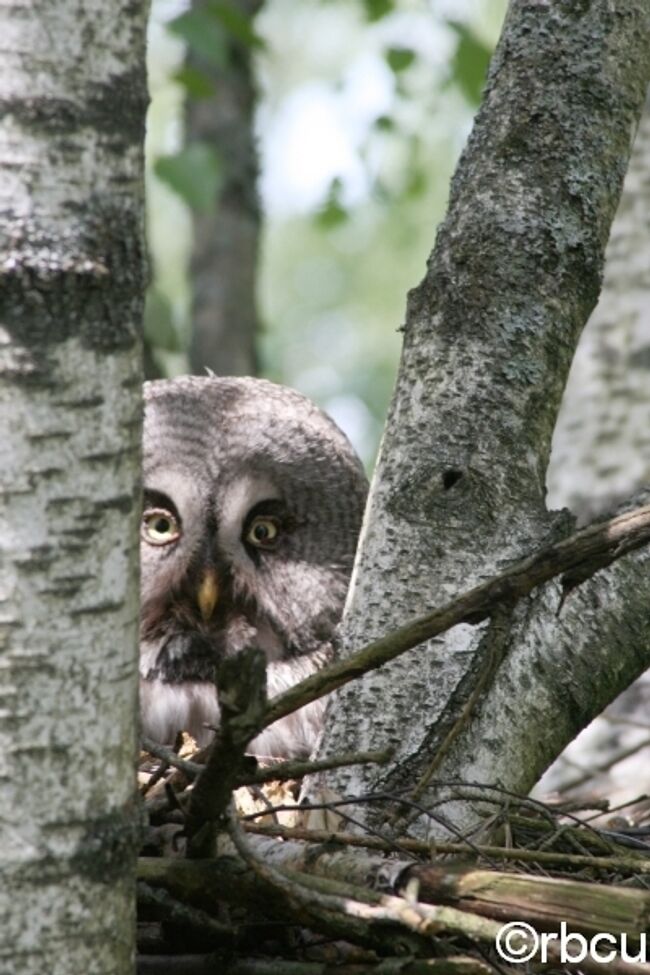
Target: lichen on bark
[
  {"x": 459, "y": 490},
  {"x": 71, "y": 281}
]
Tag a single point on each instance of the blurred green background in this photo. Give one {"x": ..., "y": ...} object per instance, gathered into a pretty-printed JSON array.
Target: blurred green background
[{"x": 362, "y": 108}]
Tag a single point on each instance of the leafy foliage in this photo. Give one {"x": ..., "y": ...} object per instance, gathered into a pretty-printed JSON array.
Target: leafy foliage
[
  {"x": 377, "y": 9},
  {"x": 208, "y": 27},
  {"x": 399, "y": 58},
  {"x": 196, "y": 83},
  {"x": 470, "y": 62},
  {"x": 194, "y": 173},
  {"x": 333, "y": 213},
  {"x": 203, "y": 32},
  {"x": 334, "y": 271}
]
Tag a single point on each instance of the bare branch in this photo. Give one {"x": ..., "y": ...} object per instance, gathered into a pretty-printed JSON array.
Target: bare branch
[
  {"x": 335, "y": 904},
  {"x": 210, "y": 964},
  {"x": 191, "y": 918},
  {"x": 584, "y": 553},
  {"x": 241, "y": 685},
  {"x": 628, "y": 865},
  {"x": 282, "y": 771},
  {"x": 489, "y": 335},
  {"x": 329, "y": 912},
  {"x": 169, "y": 756}
]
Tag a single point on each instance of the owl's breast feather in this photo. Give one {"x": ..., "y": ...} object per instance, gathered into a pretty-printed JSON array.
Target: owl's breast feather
[{"x": 166, "y": 709}]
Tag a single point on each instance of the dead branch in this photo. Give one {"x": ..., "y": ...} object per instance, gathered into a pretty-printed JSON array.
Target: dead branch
[
  {"x": 176, "y": 912},
  {"x": 210, "y": 964},
  {"x": 282, "y": 771},
  {"x": 241, "y": 686},
  {"x": 177, "y": 964},
  {"x": 343, "y": 905},
  {"x": 545, "y": 901},
  {"x": 617, "y": 757},
  {"x": 578, "y": 557},
  {"x": 330, "y": 913},
  {"x": 627, "y": 865},
  {"x": 169, "y": 757}
]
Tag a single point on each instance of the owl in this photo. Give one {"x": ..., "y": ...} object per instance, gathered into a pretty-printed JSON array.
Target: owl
[{"x": 253, "y": 500}]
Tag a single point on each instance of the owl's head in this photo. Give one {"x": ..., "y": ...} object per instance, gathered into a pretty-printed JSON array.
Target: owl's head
[{"x": 253, "y": 500}]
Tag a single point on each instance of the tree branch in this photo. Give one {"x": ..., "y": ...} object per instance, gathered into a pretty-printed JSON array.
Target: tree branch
[
  {"x": 296, "y": 769},
  {"x": 560, "y": 672},
  {"x": 318, "y": 885},
  {"x": 630, "y": 865},
  {"x": 241, "y": 685},
  {"x": 459, "y": 490},
  {"x": 584, "y": 553}
]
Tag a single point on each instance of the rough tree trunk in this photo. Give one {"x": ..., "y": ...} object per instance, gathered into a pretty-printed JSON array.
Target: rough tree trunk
[
  {"x": 601, "y": 444},
  {"x": 226, "y": 237},
  {"x": 459, "y": 489},
  {"x": 73, "y": 98},
  {"x": 601, "y": 448}
]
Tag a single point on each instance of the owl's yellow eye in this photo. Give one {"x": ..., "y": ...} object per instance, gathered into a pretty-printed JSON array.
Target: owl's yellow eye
[
  {"x": 159, "y": 527},
  {"x": 263, "y": 531}
]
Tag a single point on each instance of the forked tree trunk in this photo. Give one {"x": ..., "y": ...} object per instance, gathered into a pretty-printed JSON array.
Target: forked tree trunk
[
  {"x": 73, "y": 100},
  {"x": 459, "y": 489},
  {"x": 601, "y": 444}
]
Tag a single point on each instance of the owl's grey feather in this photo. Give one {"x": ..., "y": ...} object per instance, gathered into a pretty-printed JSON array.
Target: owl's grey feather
[{"x": 219, "y": 452}]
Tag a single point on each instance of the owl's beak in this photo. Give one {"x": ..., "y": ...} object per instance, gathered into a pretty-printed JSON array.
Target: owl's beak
[{"x": 208, "y": 594}]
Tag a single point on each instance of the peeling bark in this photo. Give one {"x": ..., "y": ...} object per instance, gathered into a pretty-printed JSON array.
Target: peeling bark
[
  {"x": 489, "y": 338},
  {"x": 71, "y": 276}
]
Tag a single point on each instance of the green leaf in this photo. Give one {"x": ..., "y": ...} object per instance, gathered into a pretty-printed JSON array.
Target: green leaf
[
  {"x": 158, "y": 322},
  {"x": 195, "y": 82},
  {"x": 376, "y": 9},
  {"x": 236, "y": 23},
  {"x": 195, "y": 173},
  {"x": 332, "y": 213},
  {"x": 470, "y": 63},
  {"x": 204, "y": 34},
  {"x": 416, "y": 184},
  {"x": 208, "y": 27},
  {"x": 399, "y": 58},
  {"x": 384, "y": 123}
]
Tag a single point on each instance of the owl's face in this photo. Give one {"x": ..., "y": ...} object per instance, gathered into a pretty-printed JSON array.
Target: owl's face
[{"x": 252, "y": 506}]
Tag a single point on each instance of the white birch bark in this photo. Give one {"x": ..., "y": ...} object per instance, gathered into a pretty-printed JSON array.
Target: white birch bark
[
  {"x": 72, "y": 101},
  {"x": 489, "y": 337},
  {"x": 601, "y": 444},
  {"x": 601, "y": 450}
]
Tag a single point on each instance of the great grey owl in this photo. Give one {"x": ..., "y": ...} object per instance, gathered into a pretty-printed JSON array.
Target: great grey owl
[{"x": 253, "y": 501}]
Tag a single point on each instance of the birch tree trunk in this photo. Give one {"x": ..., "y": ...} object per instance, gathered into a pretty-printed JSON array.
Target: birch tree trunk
[
  {"x": 73, "y": 97},
  {"x": 601, "y": 444},
  {"x": 601, "y": 449},
  {"x": 226, "y": 237},
  {"x": 459, "y": 491}
]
